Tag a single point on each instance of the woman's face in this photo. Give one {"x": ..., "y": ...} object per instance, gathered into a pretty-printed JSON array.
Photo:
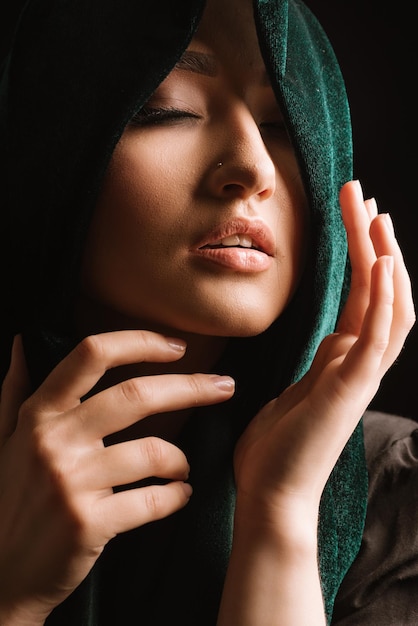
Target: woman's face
[{"x": 200, "y": 223}]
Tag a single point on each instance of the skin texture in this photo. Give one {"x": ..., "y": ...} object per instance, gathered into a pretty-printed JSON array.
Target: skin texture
[
  {"x": 140, "y": 272},
  {"x": 165, "y": 193}
]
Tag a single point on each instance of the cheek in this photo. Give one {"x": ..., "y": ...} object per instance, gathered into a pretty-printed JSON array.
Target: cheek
[
  {"x": 139, "y": 212},
  {"x": 138, "y": 195},
  {"x": 293, "y": 219},
  {"x": 135, "y": 182}
]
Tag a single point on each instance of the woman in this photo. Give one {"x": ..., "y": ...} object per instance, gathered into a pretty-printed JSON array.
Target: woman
[{"x": 179, "y": 262}]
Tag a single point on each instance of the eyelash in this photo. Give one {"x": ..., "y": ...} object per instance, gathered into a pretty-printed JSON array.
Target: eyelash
[{"x": 148, "y": 116}]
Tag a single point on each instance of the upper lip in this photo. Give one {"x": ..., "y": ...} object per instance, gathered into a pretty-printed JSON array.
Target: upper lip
[{"x": 259, "y": 232}]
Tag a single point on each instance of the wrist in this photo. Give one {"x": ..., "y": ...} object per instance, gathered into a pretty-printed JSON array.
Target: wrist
[
  {"x": 274, "y": 555},
  {"x": 286, "y": 521}
]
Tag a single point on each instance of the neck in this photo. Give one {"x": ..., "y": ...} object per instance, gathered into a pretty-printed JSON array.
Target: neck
[{"x": 202, "y": 354}]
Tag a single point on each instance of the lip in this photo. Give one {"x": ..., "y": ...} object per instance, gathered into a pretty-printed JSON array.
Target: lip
[{"x": 254, "y": 259}]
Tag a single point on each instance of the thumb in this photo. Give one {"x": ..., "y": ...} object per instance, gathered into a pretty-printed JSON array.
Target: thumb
[{"x": 15, "y": 389}]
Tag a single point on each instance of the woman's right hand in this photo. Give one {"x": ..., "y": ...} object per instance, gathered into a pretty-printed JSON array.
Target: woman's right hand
[{"x": 58, "y": 506}]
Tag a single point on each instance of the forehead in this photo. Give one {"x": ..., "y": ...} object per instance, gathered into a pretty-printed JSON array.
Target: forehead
[{"x": 227, "y": 33}]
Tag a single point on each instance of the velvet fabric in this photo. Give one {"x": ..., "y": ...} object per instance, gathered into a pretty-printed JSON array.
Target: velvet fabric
[{"x": 76, "y": 73}]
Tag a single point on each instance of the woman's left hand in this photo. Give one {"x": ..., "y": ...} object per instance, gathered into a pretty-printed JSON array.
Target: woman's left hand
[{"x": 287, "y": 452}]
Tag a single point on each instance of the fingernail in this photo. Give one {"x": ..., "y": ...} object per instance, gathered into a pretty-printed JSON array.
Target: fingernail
[
  {"x": 389, "y": 223},
  {"x": 226, "y": 383},
  {"x": 359, "y": 189},
  {"x": 389, "y": 264},
  {"x": 371, "y": 206},
  {"x": 176, "y": 344},
  {"x": 187, "y": 488}
]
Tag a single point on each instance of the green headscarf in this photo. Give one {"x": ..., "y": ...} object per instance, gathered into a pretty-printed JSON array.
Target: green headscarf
[{"x": 76, "y": 73}]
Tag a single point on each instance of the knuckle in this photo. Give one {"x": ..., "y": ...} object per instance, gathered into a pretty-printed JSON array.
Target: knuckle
[
  {"x": 47, "y": 455},
  {"x": 380, "y": 345},
  {"x": 82, "y": 530},
  {"x": 77, "y": 522},
  {"x": 154, "y": 452},
  {"x": 27, "y": 414},
  {"x": 137, "y": 391},
  {"x": 145, "y": 338},
  {"x": 195, "y": 385},
  {"x": 60, "y": 479},
  {"x": 160, "y": 501},
  {"x": 153, "y": 502},
  {"x": 42, "y": 445},
  {"x": 90, "y": 349}
]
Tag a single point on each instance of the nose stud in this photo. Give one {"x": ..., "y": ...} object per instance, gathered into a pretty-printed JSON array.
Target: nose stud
[{"x": 219, "y": 164}]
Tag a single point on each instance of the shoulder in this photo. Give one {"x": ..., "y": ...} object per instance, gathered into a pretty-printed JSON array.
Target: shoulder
[
  {"x": 388, "y": 436},
  {"x": 380, "y": 587},
  {"x": 391, "y": 444}
]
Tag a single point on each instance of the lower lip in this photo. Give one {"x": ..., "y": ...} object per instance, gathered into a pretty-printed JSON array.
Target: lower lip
[{"x": 238, "y": 259}]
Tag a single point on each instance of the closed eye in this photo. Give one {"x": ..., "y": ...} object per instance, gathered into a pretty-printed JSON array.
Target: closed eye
[{"x": 148, "y": 116}]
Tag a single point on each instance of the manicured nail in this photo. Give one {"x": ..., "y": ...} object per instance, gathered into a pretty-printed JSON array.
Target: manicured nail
[
  {"x": 389, "y": 223},
  {"x": 187, "y": 488},
  {"x": 226, "y": 383},
  {"x": 371, "y": 206},
  {"x": 358, "y": 188},
  {"x": 176, "y": 344},
  {"x": 389, "y": 263}
]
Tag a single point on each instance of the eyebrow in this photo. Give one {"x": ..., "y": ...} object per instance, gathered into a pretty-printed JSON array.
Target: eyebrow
[
  {"x": 203, "y": 63},
  {"x": 198, "y": 62}
]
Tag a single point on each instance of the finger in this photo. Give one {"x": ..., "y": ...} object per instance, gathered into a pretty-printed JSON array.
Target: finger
[
  {"x": 357, "y": 215},
  {"x": 15, "y": 389},
  {"x": 371, "y": 207},
  {"x": 385, "y": 243},
  {"x": 124, "y": 404},
  {"x": 364, "y": 359},
  {"x": 135, "y": 460},
  {"x": 129, "y": 509},
  {"x": 77, "y": 374}
]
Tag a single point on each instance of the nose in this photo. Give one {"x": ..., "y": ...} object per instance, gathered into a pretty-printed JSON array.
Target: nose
[{"x": 244, "y": 166}]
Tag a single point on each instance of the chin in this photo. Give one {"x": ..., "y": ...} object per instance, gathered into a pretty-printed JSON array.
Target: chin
[
  {"x": 250, "y": 321},
  {"x": 236, "y": 325}
]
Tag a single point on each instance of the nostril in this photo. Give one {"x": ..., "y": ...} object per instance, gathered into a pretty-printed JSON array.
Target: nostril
[
  {"x": 232, "y": 187},
  {"x": 236, "y": 189},
  {"x": 266, "y": 193}
]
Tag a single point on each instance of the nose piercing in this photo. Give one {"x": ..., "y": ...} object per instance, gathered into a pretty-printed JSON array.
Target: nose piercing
[{"x": 219, "y": 164}]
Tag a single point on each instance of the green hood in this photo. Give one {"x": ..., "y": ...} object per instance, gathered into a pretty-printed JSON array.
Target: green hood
[{"x": 76, "y": 73}]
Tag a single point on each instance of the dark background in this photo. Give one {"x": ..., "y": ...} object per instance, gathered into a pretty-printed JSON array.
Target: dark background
[{"x": 374, "y": 46}]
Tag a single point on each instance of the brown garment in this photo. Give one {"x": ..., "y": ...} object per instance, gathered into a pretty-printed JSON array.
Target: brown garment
[{"x": 381, "y": 587}]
